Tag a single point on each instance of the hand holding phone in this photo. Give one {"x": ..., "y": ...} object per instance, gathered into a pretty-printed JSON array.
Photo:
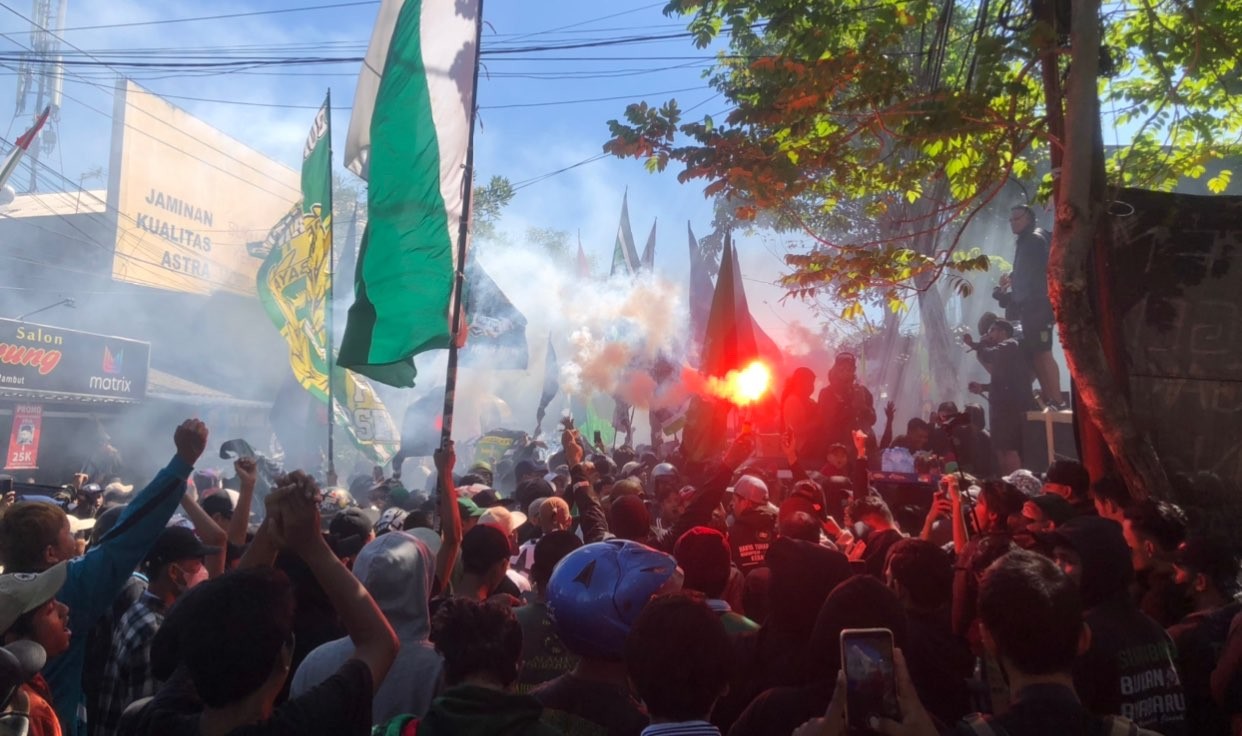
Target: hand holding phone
[{"x": 870, "y": 669}]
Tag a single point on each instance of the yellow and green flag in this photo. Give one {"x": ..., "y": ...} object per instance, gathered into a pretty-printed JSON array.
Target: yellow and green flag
[{"x": 293, "y": 286}]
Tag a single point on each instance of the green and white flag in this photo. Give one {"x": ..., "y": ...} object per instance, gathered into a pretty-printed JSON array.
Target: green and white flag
[
  {"x": 408, "y": 137},
  {"x": 293, "y": 286}
]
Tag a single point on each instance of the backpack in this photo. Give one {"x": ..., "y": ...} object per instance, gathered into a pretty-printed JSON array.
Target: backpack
[{"x": 1104, "y": 726}]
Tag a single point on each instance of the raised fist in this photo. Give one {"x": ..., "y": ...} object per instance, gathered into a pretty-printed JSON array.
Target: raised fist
[{"x": 190, "y": 439}]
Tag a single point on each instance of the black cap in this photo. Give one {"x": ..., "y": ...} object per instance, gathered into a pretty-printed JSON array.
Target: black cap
[
  {"x": 177, "y": 543},
  {"x": 1201, "y": 555},
  {"x": 349, "y": 531},
  {"x": 846, "y": 358},
  {"x": 218, "y": 503},
  {"x": 486, "y": 498},
  {"x": 484, "y": 546},
  {"x": 1057, "y": 509}
]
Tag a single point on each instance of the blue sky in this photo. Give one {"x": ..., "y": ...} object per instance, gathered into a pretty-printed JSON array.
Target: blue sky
[{"x": 520, "y": 135}]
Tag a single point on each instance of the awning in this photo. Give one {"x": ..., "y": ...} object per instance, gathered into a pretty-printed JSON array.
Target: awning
[{"x": 167, "y": 387}]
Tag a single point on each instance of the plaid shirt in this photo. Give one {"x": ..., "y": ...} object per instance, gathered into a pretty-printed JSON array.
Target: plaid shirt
[{"x": 127, "y": 677}]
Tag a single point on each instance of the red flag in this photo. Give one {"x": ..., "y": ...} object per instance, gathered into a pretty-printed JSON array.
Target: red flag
[{"x": 23, "y": 143}]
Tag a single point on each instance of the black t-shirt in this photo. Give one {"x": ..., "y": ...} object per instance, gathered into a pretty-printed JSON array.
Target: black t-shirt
[
  {"x": 1042, "y": 710},
  {"x": 940, "y": 665},
  {"x": 1011, "y": 375},
  {"x": 1200, "y": 639},
  {"x": 875, "y": 553},
  {"x": 750, "y": 537},
  {"x": 1129, "y": 669},
  {"x": 339, "y": 706}
]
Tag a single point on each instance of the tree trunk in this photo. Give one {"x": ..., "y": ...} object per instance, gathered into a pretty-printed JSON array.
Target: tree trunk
[
  {"x": 1077, "y": 215},
  {"x": 939, "y": 340}
]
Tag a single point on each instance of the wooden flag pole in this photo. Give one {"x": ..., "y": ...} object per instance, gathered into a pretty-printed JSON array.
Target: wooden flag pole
[{"x": 463, "y": 233}]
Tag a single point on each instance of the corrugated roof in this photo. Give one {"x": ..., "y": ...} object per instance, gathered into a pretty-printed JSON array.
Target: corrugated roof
[
  {"x": 166, "y": 386},
  {"x": 160, "y": 385}
]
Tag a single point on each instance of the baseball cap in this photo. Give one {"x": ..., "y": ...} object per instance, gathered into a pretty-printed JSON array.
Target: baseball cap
[
  {"x": 503, "y": 519},
  {"x": 1026, "y": 482},
  {"x": 484, "y": 546},
  {"x": 80, "y": 525},
  {"x": 176, "y": 543},
  {"x": 1202, "y": 555},
  {"x": 846, "y": 358},
  {"x": 751, "y": 488},
  {"x": 1057, "y": 509},
  {"x": 22, "y": 592},
  {"x": 349, "y": 531},
  {"x": 392, "y": 520},
  {"x": 469, "y": 508},
  {"x": 485, "y": 498}
]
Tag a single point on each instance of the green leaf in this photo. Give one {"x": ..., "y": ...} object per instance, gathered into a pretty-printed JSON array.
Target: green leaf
[{"x": 1219, "y": 183}]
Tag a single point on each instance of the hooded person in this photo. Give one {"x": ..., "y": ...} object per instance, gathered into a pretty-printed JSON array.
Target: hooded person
[
  {"x": 862, "y": 602},
  {"x": 482, "y": 647},
  {"x": 802, "y": 574},
  {"x": 1128, "y": 669},
  {"x": 397, "y": 570}
]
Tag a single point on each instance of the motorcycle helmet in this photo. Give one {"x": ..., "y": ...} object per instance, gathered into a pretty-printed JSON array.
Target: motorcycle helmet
[
  {"x": 664, "y": 479},
  {"x": 596, "y": 593}
]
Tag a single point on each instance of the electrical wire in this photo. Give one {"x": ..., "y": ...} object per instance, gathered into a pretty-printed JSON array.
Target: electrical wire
[
  {"x": 171, "y": 21},
  {"x": 295, "y": 191}
]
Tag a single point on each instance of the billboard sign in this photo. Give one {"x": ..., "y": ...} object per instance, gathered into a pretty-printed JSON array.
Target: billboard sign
[
  {"x": 52, "y": 362},
  {"x": 188, "y": 199}
]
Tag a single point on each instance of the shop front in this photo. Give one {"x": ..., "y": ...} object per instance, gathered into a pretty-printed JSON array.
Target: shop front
[{"x": 59, "y": 389}]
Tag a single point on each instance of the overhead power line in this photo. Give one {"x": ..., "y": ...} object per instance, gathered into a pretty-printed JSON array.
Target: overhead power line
[{"x": 226, "y": 16}]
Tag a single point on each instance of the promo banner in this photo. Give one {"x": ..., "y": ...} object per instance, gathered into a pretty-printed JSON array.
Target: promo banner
[{"x": 24, "y": 439}]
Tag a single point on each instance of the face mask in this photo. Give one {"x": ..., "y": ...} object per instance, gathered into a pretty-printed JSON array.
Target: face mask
[{"x": 194, "y": 578}]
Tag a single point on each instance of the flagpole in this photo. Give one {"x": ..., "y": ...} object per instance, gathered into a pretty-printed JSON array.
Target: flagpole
[
  {"x": 459, "y": 276},
  {"x": 328, "y": 308}
]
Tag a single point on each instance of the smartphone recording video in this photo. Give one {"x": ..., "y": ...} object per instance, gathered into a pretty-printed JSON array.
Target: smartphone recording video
[{"x": 870, "y": 676}]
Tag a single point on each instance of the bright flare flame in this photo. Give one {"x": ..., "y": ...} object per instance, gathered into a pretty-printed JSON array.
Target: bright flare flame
[{"x": 743, "y": 387}]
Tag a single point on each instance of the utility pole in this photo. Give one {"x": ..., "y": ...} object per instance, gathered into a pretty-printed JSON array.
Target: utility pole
[{"x": 42, "y": 73}]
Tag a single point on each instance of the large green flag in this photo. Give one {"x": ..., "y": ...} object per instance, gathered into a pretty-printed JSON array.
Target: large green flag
[
  {"x": 293, "y": 285},
  {"x": 408, "y": 137}
]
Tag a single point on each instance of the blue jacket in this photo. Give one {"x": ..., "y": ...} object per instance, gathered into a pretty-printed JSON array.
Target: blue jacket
[{"x": 96, "y": 578}]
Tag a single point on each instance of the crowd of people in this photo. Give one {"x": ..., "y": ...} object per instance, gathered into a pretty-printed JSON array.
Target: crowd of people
[{"x": 617, "y": 594}]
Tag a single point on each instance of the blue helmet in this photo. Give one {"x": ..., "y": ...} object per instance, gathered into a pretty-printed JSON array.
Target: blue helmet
[{"x": 597, "y": 592}]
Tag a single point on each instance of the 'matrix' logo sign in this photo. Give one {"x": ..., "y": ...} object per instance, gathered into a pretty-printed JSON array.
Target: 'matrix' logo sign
[
  {"x": 47, "y": 362},
  {"x": 113, "y": 379}
]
